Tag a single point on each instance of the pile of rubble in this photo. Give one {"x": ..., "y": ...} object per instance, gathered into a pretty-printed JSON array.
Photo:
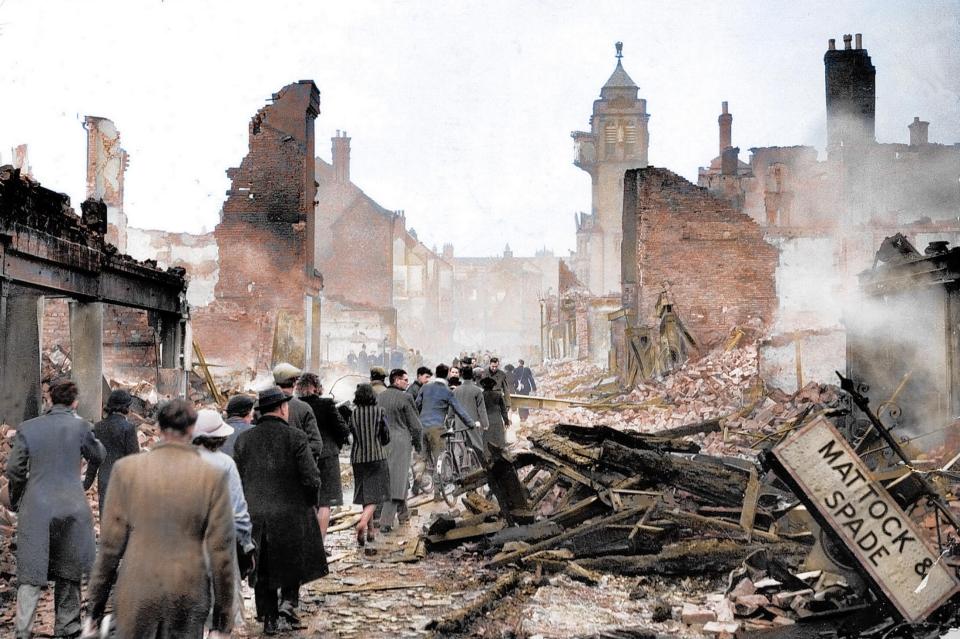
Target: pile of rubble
[
  {"x": 672, "y": 479},
  {"x": 722, "y": 395}
]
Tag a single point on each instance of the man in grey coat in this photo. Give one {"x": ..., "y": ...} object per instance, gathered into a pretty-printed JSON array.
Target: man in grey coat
[
  {"x": 301, "y": 414},
  {"x": 470, "y": 396},
  {"x": 55, "y": 537},
  {"x": 405, "y": 435}
]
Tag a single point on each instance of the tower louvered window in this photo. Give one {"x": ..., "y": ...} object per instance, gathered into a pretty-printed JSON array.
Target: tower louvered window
[{"x": 610, "y": 136}]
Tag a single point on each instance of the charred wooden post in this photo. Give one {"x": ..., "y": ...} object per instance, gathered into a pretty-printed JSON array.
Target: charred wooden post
[{"x": 511, "y": 494}]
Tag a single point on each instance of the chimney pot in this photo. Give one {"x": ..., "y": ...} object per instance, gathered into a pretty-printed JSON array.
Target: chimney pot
[
  {"x": 859, "y": 41},
  {"x": 724, "y": 105},
  {"x": 846, "y": 41},
  {"x": 832, "y": 44}
]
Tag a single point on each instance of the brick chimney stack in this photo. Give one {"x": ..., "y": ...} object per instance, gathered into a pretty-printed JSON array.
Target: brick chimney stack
[
  {"x": 850, "y": 96},
  {"x": 726, "y": 129},
  {"x": 341, "y": 157},
  {"x": 918, "y": 132}
]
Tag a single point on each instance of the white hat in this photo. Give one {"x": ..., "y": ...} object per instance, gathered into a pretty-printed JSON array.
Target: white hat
[{"x": 210, "y": 424}]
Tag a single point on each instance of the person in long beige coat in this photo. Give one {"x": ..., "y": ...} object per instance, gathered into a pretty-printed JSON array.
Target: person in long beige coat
[{"x": 164, "y": 510}]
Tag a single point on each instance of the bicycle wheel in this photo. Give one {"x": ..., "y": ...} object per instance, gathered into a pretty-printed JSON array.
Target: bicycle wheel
[{"x": 448, "y": 477}]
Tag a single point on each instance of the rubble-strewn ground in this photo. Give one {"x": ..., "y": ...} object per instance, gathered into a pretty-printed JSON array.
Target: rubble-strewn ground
[{"x": 384, "y": 591}]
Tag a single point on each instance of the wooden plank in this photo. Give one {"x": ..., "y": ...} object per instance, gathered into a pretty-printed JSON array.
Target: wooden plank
[
  {"x": 749, "y": 513},
  {"x": 350, "y": 522},
  {"x": 682, "y": 517},
  {"x": 468, "y": 532}
]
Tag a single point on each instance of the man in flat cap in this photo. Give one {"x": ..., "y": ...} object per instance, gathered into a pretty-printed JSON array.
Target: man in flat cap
[
  {"x": 301, "y": 415},
  {"x": 119, "y": 438},
  {"x": 280, "y": 480},
  {"x": 240, "y": 418}
]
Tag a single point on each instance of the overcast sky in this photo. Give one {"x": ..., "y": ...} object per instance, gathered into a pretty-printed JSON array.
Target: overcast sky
[{"x": 460, "y": 112}]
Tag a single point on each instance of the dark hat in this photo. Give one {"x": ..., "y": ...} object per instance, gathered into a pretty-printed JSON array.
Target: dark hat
[
  {"x": 118, "y": 400},
  {"x": 239, "y": 405},
  {"x": 270, "y": 398},
  {"x": 488, "y": 383}
]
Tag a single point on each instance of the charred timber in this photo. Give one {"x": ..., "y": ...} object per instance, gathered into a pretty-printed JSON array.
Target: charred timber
[
  {"x": 710, "y": 557},
  {"x": 712, "y": 482},
  {"x": 458, "y": 620},
  {"x": 592, "y": 435}
]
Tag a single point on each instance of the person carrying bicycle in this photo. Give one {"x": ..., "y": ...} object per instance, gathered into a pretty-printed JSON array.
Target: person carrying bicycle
[{"x": 433, "y": 402}]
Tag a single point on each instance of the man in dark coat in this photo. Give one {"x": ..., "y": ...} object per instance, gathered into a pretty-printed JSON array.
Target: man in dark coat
[
  {"x": 119, "y": 438},
  {"x": 525, "y": 385},
  {"x": 363, "y": 360},
  {"x": 497, "y": 375},
  {"x": 423, "y": 376},
  {"x": 55, "y": 526},
  {"x": 280, "y": 480},
  {"x": 301, "y": 415},
  {"x": 405, "y": 434},
  {"x": 334, "y": 433}
]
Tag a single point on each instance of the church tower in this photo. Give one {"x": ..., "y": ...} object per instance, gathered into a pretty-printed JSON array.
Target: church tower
[{"x": 617, "y": 141}]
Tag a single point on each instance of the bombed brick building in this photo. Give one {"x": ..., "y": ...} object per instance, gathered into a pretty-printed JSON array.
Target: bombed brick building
[
  {"x": 827, "y": 216},
  {"x": 770, "y": 246}
]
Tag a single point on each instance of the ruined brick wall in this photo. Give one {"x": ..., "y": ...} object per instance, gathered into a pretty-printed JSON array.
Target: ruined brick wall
[
  {"x": 266, "y": 260},
  {"x": 720, "y": 270}
]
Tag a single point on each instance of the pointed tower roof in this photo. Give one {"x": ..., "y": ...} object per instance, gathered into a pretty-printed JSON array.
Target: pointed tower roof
[{"x": 620, "y": 81}]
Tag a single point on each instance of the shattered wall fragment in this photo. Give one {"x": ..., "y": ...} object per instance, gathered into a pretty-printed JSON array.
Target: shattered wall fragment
[
  {"x": 715, "y": 260},
  {"x": 264, "y": 240}
]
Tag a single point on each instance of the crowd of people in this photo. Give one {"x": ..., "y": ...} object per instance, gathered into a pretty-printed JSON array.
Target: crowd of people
[{"x": 242, "y": 494}]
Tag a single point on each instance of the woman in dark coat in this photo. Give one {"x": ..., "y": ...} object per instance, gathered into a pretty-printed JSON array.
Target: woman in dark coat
[
  {"x": 371, "y": 478},
  {"x": 497, "y": 414}
]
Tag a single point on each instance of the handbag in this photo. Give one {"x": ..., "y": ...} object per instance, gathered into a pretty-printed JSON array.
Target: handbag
[{"x": 383, "y": 432}]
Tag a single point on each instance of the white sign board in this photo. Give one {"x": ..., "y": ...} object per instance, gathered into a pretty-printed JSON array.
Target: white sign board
[{"x": 868, "y": 520}]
